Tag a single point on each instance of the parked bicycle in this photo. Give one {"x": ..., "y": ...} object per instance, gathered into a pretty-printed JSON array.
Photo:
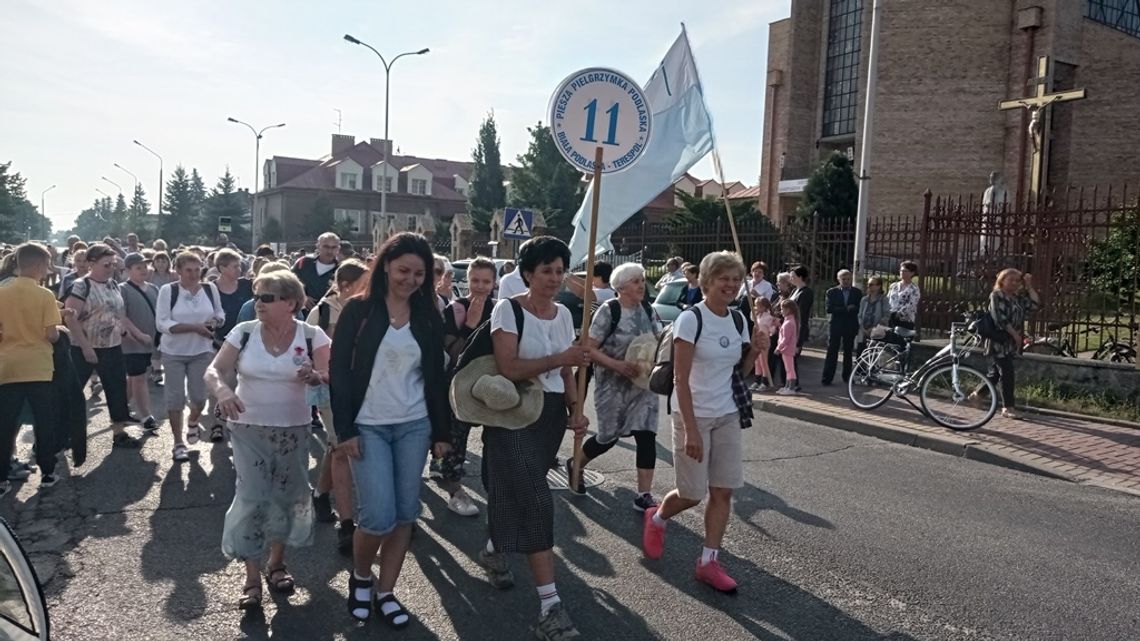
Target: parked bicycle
[
  {"x": 1112, "y": 349},
  {"x": 954, "y": 395},
  {"x": 1117, "y": 351}
]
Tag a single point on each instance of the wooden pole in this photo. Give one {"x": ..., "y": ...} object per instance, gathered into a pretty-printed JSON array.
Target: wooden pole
[
  {"x": 732, "y": 227},
  {"x": 587, "y": 312}
]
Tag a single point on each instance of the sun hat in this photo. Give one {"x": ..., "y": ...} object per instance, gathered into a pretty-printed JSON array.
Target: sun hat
[
  {"x": 643, "y": 353},
  {"x": 480, "y": 395}
]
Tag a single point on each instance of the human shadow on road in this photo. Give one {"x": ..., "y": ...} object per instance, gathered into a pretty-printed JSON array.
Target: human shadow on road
[{"x": 750, "y": 501}]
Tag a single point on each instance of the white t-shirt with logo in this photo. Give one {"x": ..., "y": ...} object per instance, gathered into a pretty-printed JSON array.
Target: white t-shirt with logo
[
  {"x": 396, "y": 388},
  {"x": 718, "y": 350},
  {"x": 539, "y": 337}
]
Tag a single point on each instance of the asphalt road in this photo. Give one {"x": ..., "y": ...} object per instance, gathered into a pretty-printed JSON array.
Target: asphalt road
[{"x": 835, "y": 536}]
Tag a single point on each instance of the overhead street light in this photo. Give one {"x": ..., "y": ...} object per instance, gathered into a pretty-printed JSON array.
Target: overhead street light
[
  {"x": 254, "y": 217},
  {"x": 129, "y": 173},
  {"x": 158, "y": 208},
  {"x": 117, "y": 186}
]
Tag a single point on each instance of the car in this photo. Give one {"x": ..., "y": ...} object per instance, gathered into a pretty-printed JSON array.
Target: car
[
  {"x": 459, "y": 272},
  {"x": 667, "y": 304}
]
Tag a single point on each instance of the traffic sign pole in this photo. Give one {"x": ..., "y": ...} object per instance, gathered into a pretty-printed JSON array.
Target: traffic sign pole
[{"x": 587, "y": 312}]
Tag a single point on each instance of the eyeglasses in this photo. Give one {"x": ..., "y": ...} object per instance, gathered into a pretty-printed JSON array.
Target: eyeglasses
[{"x": 267, "y": 298}]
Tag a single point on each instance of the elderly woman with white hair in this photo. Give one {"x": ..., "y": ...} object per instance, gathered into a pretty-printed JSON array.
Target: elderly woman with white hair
[{"x": 625, "y": 406}]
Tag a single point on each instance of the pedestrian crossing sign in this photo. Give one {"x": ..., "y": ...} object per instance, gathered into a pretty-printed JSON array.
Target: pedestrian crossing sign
[{"x": 518, "y": 223}]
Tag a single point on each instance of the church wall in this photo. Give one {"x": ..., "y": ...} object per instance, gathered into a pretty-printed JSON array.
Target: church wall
[{"x": 776, "y": 104}]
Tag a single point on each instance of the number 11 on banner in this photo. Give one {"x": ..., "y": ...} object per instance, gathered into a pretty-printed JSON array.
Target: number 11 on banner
[{"x": 591, "y": 113}]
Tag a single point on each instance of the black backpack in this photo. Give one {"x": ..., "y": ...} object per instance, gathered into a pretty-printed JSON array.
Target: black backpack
[
  {"x": 210, "y": 287},
  {"x": 661, "y": 378},
  {"x": 480, "y": 344}
]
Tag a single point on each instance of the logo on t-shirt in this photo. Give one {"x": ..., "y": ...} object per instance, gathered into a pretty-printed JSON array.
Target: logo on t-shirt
[{"x": 724, "y": 342}]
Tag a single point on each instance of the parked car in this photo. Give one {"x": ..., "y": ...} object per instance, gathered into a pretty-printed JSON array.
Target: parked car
[{"x": 667, "y": 304}]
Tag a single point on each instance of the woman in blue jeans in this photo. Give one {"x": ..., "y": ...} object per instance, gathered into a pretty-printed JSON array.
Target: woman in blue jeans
[{"x": 389, "y": 402}]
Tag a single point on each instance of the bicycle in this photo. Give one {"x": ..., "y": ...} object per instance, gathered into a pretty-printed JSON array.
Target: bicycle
[
  {"x": 1049, "y": 346},
  {"x": 1115, "y": 350},
  {"x": 954, "y": 395}
]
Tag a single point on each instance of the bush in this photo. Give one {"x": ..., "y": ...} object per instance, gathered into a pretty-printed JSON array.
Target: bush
[{"x": 1114, "y": 263}]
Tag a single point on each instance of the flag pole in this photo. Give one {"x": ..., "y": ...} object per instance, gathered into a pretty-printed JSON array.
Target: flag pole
[{"x": 587, "y": 312}]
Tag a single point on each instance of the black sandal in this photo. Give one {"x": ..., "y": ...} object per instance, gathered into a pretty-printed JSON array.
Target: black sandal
[
  {"x": 217, "y": 434},
  {"x": 282, "y": 585},
  {"x": 390, "y": 618},
  {"x": 122, "y": 439},
  {"x": 250, "y": 601},
  {"x": 354, "y": 603}
]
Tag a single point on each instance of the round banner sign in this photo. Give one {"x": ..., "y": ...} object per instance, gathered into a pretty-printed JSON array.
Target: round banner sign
[{"x": 600, "y": 107}]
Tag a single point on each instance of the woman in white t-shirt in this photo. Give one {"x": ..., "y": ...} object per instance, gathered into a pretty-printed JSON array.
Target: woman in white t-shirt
[
  {"x": 389, "y": 404},
  {"x": 709, "y": 342},
  {"x": 520, "y": 510},
  {"x": 274, "y": 358}
]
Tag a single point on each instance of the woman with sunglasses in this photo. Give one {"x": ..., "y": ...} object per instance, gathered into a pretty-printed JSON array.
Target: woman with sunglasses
[
  {"x": 272, "y": 358},
  {"x": 97, "y": 329},
  {"x": 187, "y": 312}
]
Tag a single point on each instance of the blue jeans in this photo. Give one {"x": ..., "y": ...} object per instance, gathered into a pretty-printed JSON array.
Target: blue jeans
[{"x": 389, "y": 473}]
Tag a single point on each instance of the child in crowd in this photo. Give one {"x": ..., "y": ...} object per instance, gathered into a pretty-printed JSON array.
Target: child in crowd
[
  {"x": 762, "y": 315},
  {"x": 786, "y": 347}
]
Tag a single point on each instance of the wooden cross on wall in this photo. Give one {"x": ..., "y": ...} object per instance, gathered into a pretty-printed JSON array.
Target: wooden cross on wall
[{"x": 1039, "y": 122}]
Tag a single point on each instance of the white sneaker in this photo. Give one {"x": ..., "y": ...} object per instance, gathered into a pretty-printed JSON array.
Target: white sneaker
[
  {"x": 785, "y": 391},
  {"x": 461, "y": 504}
]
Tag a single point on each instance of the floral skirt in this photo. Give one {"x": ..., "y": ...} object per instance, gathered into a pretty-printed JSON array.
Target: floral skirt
[{"x": 271, "y": 495}]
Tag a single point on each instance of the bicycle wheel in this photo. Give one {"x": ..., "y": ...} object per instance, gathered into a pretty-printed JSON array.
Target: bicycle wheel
[
  {"x": 873, "y": 381},
  {"x": 964, "y": 402}
]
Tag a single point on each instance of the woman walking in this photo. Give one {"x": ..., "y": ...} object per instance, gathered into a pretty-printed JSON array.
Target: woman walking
[
  {"x": 520, "y": 510},
  {"x": 709, "y": 351},
  {"x": 1012, "y": 299},
  {"x": 625, "y": 405},
  {"x": 389, "y": 402},
  {"x": 97, "y": 336},
  {"x": 273, "y": 359},
  {"x": 188, "y": 311}
]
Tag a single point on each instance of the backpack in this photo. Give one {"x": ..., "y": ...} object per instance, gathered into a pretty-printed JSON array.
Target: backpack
[
  {"x": 247, "y": 328},
  {"x": 480, "y": 344},
  {"x": 208, "y": 286},
  {"x": 615, "y": 318},
  {"x": 661, "y": 377}
]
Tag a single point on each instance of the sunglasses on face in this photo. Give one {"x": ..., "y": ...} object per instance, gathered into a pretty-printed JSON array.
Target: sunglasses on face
[{"x": 267, "y": 298}]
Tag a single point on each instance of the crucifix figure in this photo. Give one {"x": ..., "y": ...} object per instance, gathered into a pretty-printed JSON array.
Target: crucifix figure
[{"x": 1037, "y": 106}]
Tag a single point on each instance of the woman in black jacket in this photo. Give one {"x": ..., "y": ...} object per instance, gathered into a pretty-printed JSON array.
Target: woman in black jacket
[{"x": 389, "y": 402}]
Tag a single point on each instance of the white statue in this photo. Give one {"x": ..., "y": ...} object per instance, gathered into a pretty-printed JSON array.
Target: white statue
[{"x": 994, "y": 202}]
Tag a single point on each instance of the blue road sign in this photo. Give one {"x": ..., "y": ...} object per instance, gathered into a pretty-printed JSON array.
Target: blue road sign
[{"x": 518, "y": 223}]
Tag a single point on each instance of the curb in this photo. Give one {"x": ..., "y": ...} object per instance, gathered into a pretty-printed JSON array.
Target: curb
[
  {"x": 1115, "y": 422},
  {"x": 943, "y": 444}
]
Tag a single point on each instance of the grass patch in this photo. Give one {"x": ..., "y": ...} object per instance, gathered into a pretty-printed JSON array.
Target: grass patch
[{"x": 1104, "y": 404}]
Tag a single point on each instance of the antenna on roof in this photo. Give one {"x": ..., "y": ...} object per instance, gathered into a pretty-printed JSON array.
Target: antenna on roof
[{"x": 339, "y": 119}]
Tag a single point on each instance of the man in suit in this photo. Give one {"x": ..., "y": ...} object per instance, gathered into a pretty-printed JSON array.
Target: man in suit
[{"x": 843, "y": 306}]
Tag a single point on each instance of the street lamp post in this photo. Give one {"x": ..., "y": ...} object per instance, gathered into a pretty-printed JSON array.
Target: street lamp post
[
  {"x": 158, "y": 208},
  {"x": 43, "y": 213},
  {"x": 254, "y": 218},
  {"x": 129, "y": 173},
  {"x": 387, "y": 140},
  {"x": 117, "y": 186},
  {"x": 105, "y": 194}
]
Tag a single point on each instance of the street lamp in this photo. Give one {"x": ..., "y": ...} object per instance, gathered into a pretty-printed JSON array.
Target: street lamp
[
  {"x": 387, "y": 140},
  {"x": 105, "y": 194},
  {"x": 113, "y": 183},
  {"x": 129, "y": 173},
  {"x": 43, "y": 213},
  {"x": 254, "y": 218},
  {"x": 158, "y": 208}
]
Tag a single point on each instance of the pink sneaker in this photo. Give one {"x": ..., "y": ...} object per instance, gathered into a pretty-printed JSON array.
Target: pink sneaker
[
  {"x": 652, "y": 536},
  {"x": 715, "y": 576}
]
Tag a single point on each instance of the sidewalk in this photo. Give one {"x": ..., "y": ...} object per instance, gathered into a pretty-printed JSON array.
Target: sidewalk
[{"x": 1074, "y": 449}]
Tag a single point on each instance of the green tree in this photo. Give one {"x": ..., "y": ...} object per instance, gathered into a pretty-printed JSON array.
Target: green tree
[
  {"x": 226, "y": 200},
  {"x": 118, "y": 226},
  {"x": 271, "y": 231},
  {"x": 696, "y": 210},
  {"x": 544, "y": 181},
  {"x": 94, "y": 222},
  {"x": 18, "y": 215},
  {"x": 486, "y": 192},
  {"x": 1115, "y": 260},
  {"x": 178, "y": 225},
  {"x": 138, "y": 210},
  {"x": 319, "y": 220},
  {"x": 831, "y": 190}
]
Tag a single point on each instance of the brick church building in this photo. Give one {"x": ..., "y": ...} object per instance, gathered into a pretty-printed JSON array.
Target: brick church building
[{"x": 943, "y": 68}]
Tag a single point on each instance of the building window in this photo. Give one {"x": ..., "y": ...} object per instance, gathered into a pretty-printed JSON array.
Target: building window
[
  {"x": 411, "y": 223},
  {"x": 384, "y": 184},
  {"x": 347, "y": 181},
  {"x": 1118, "y": 14},
  {"x": 841, "y": 83},
  {"x": 354, "y": 217},
  {"x": 419, "y": 187}
]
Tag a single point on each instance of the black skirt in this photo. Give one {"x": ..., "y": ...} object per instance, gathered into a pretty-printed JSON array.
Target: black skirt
[{"x": 520, "y": 510}]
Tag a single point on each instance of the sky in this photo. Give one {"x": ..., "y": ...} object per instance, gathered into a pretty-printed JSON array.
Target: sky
[{"x": 80, "y": 80}]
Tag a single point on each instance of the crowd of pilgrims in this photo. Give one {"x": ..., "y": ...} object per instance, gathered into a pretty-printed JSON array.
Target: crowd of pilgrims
[{"x": 259, "y": 352}]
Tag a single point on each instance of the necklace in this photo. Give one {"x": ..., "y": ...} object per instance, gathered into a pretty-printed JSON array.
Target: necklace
[{"x": 277, "y": 341}]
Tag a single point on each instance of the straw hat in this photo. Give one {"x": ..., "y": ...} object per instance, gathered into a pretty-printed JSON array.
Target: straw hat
[
  {"x": 482, "y": 396},
  {"x": 642, "y": 352}
]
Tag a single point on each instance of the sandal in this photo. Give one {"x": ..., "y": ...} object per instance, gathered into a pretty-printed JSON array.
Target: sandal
[
  {"x": 122, "y": 439},
  {"x": 355, "y": 604},
  {"x": 283, "y": 584},
  {"x": 192, "y": 434},
  {"x": 251, "y": 597},
  {"x": 391, "y": 617},
  {"x": 217, "y": 434}
]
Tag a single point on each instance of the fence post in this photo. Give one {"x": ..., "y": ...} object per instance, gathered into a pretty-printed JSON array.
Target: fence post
[
  {"x": 813, "y": 252},
  {"x": 644, "y": 222},
  {"x": 924, "y": 254}
]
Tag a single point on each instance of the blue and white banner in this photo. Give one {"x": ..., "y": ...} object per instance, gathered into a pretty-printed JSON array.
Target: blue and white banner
[{"x": 682, "y": 135}]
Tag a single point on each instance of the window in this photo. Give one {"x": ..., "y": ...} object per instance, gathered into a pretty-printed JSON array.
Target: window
[
  {"x": 1118, "y": 14},
  {"x": 411, "y": 223},
  {"x": 355, "y": 217},
  {"x": 841, "y": 83},
  {"x": 384, "y": 184},
  {"x": 419, "y": 187},
  {"x": 347, "y": 180}
]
